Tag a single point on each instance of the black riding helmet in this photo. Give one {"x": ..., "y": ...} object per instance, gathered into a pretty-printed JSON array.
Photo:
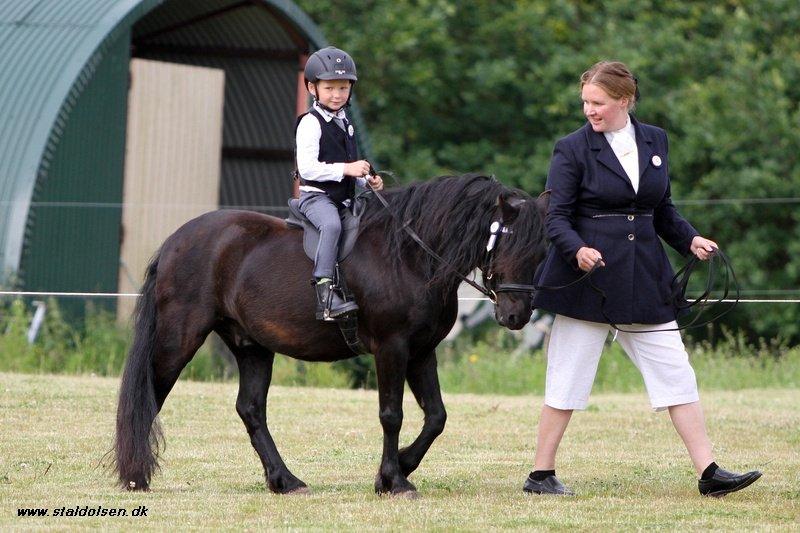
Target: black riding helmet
[{"x": 330, "y": 64}]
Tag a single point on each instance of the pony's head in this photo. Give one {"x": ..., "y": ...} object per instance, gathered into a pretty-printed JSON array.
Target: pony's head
[
  {"x": 515, "y": 247},
  {"x": 454, "y": 216}
]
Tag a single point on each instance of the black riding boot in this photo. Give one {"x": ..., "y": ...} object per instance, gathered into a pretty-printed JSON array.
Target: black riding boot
[{"x": 337, "y": 307}]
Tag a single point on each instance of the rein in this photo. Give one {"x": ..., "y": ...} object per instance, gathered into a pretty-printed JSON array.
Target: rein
[
  {"x": 411, "y": 233},
  {"x": 519, "y": 287}
]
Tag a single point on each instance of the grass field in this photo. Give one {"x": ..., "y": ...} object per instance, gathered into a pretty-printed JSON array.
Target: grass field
[{"x": 626, "y": 463}]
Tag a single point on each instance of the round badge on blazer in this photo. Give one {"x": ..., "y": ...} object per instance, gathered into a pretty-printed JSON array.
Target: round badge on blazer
[
  {"x": 656, "y": 161},
  {"x": 351, "y": 131}
]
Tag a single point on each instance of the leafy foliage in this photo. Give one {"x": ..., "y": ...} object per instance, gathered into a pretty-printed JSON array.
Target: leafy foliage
[{"x": 96, "y": 346}]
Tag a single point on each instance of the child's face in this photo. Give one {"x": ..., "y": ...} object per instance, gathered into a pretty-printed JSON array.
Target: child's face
[{"x": 331, "y": 93}]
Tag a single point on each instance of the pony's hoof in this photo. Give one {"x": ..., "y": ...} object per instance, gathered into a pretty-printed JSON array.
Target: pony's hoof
[
  {"x": 400, "y": 490},
  {"x": 287, "y": 484},
  {"x": 132, "y": 486},
  {"x": 379, "y": 490}
]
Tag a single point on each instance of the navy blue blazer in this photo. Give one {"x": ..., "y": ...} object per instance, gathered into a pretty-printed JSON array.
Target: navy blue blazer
[{"x": 593, "y": 204}]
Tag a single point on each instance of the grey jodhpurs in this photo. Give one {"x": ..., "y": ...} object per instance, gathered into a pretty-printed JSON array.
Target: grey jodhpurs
[{"x": 324, "y": 214}]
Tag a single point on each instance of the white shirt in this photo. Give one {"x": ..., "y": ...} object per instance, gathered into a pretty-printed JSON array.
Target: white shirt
[
  {"x": 307, "y": 141},
  {"x": 623, "y": 142}
]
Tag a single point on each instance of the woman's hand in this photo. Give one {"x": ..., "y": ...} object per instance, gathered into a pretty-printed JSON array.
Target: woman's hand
[
  {"x": 587, "y": 257},
  {"x": 375, "y": 182},
  {"x": 703, "y": 248}
]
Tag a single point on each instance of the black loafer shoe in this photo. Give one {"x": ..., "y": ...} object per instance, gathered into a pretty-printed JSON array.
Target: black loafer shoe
[
  {"x": 549, "y": 485},
  {"x": 723, "y": 482}
]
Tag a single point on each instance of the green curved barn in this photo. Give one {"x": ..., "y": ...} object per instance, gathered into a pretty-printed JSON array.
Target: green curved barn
[{"x": 109, "y": 106}]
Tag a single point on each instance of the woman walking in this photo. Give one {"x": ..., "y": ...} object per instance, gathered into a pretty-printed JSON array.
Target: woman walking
[{"x": 610, "y": 203}]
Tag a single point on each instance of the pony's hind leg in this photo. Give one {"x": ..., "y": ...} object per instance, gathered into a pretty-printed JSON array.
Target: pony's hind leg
[
  {"x": 165, "y": 340},
  {"x": 255, "y": 374},
  {"x": 180, "y": 334},
  {"x": 424, "y": 383}
]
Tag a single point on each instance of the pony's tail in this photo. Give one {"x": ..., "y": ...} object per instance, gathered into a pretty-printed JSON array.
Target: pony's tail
[{"x": 139, "y": 438}]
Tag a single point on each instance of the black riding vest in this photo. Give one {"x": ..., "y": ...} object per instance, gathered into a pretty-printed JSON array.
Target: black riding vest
[{"x": 335, "y": 146}]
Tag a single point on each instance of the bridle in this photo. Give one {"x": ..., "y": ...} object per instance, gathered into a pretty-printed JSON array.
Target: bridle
[{"x": 496, "y": 229}]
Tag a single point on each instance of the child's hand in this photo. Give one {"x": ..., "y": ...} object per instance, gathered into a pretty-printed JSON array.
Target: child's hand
[
  {"x": 356, "y": 169},
  {"x": 375, "y": 182}
]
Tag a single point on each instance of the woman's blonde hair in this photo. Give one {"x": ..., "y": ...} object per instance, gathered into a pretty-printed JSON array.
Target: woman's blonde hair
[{"x": 614, "y": 78}]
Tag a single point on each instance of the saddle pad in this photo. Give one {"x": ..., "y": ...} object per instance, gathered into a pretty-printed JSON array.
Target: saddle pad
[{"x": 349, "y": 235}]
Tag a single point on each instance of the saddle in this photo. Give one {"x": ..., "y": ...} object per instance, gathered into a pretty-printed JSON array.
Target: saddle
[{"x": 351, "y": 218}]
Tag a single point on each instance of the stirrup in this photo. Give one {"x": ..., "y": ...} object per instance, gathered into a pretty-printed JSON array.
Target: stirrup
[
  {"x": 323, "y": 309},
  {"x": 325, "y": 315}
]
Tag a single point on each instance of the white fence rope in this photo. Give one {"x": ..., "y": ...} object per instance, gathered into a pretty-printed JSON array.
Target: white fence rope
[
  {"x": 68, "y": 294},
  {"x": 116, "y": 205},
  {"x": 463, "y": 299}
]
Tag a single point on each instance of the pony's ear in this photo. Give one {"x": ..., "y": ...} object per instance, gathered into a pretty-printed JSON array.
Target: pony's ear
[
  {"x": 509, "y": 206},
  {"x": 543, "y": 203}
]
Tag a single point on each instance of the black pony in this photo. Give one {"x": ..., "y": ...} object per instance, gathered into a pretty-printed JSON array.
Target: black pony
[{"x": 245, "y": 276}]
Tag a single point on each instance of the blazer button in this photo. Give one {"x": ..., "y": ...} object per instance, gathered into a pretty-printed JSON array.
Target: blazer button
[
  {"x": 630, "y": 236},
  {"x": 630, "y": 217}
]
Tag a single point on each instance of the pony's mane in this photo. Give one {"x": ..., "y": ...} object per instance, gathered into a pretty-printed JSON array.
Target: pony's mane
[{"x": 451, "y": 214}]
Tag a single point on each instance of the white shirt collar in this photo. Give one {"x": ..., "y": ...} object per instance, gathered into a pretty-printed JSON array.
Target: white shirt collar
[
  {"x": 327, "y": 115},
  {"x": 626, "y": 129}
]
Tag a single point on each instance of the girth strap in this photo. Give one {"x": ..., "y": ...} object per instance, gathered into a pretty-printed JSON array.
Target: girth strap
[{"x": 348, "y": 325}]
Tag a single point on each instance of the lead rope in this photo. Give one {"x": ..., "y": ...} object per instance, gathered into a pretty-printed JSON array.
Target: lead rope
[
  {"x": 681, "y": 280},
  {"x": 519, "y": 287}
]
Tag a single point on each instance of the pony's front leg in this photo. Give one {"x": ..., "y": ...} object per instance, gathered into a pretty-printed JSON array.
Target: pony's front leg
[
  {"x": 424, "y": 382},
  {"x": 391, "y": 359}
]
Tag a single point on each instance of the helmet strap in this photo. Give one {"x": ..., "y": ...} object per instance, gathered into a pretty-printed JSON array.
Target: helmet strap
[{"x": 328, "y": 109}]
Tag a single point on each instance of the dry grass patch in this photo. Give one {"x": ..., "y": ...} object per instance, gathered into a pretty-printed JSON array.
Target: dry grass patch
[{"x": 627, "y": 464}]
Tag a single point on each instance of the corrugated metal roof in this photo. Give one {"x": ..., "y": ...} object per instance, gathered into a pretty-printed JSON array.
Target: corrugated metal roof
[
  {"x": 250, "y": 184},
  {"x": 49, "y": 50},
  {"x": 68, "y": 245},
  {"x": 76, "y": 13},
  {"x": 169, "y": 16},
  {"x": 46, "y": 56},
  {"x": 14, "y": 11},
  {"x": 255, "y": 26}
]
